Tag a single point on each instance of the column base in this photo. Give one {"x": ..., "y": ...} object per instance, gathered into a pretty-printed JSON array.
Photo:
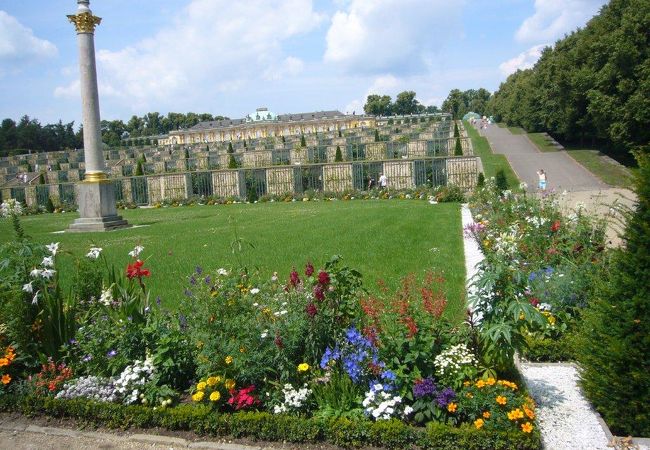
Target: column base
[{"x": 97, "y": 208}]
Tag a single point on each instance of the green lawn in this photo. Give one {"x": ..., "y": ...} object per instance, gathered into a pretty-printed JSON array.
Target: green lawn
[
  {"x": 542, "y": 142},
  {"x": 491, "y": 162},
  {"x": 517, "y": 130},
  {"x": 610, "y": 173},
  {"x": 385, "y": 239}
]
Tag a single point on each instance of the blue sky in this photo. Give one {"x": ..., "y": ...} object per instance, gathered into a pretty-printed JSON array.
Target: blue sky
[{"x": 229, "y": 57}]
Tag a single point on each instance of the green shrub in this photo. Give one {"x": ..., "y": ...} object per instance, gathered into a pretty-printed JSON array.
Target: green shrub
[
  {"x": 614, "y": 342},
  {"x": 264, "y": 426},
  {"x": 303, "y": 143},
  {"x": 230, "y": 149},
  {"x": 138, "y": 169},
  {"x": 458, "y": 149},
  {"x": 456, "y": 130},
  {"x": 339, "y": 156},
  {"x": 501, "y": 183},
  {"x": 49, "y": 205},
  {"x": 480, "y": 182}
]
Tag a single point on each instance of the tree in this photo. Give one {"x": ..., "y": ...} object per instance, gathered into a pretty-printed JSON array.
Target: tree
[
  {"x": 458, "y": 151},
  {"x": 138, "y": 169},
  {"x": 338, "y": 157},
  {"x": 614, "y": 341},
  {"x": 378, "y": 105},
  {"x": 303, "y": 143},
  {"x": 454, "y": 104},
  {"x": 405, "y": 103},
  {"x": 456, "y": 131},
  {"x": 232, "y": 162},
  {"x": 377, "y": 139},
  {"x": 230, "y": 149}
]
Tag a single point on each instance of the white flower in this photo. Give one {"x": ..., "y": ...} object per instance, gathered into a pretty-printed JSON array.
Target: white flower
[
  {"x": 28, "y": 287},
  {"x": 523, "y": 185},
  {"x": 48, "y": 261},
  {"x": 274, "y": 277},
  {"x": 255, "y": 291},
  {"x": 35, "y": 273},
  {"x": 48, "y": 273},
  {"x": 136, "y": 251},
  {"x": 10, "y": 207},
  {"x": 94, "y": 252},
  {"x": 35, "y": 298},
  {"x": 106, "y": 297},
  {"x": 408, "y": 410},
  {"x": 223, "y": 272},
  {"x": 53, "y": 248}
]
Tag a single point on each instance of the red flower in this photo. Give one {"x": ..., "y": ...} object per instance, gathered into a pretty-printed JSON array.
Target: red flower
[
  {"x": 135, "y": 270},
  {"x": 279, "y": 343},
  {"x": 294, "y": 279},
  {"x": 323, "y": 278},
  {"x": 309, "y": 269},
  {"x": 318, "y": 292},
  {"x": 311, "y": 310},
  {"x": 242, "y": 398},
  {"x": 534, "y": 301},
  {"x": 555, "y": 226}
]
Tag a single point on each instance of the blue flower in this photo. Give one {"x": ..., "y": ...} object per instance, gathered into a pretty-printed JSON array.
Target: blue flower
[
  {"x": 198, "y": 270},
  {"x": 207, "y": 279},
  {"x": 329, "y": 355},
  {"x": 111, "y": 353}
]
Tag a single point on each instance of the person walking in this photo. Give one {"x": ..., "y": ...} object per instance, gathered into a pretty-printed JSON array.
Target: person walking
[
  {"x": 542, "y": 179},
  {"x": 383, "y": 181}
]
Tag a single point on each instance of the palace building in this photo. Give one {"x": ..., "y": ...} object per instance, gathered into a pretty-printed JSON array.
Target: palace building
[{"x": 264, "y": 123}]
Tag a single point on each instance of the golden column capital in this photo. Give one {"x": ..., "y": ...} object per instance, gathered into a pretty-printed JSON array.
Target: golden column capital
[{"x": 84, "y": 22}]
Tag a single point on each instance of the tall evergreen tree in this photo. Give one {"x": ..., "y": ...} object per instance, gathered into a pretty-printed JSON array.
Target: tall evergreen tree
[{"x": 614, "y": 343}]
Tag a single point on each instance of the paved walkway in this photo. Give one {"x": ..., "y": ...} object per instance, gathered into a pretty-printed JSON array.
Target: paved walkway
[{"x": 563, "y": 172}]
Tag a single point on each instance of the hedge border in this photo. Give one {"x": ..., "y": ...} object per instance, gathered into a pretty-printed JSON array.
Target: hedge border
[{"x": 342, "y": 432}]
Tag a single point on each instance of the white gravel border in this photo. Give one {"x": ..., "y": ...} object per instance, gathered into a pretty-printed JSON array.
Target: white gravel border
[{"x": 566, "y": 419}]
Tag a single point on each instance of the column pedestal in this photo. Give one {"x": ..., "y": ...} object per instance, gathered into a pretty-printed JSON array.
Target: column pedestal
[{"x": 97, "y": 208}]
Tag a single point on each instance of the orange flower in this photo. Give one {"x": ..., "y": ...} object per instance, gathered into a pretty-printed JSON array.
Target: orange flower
[
  {"x": 490, "y": 381},
  {"x": 6, "y": 379},
  {"x": 516, "y": 414},
  {"x": 478, "y": 423},
  {"x": 526, "y": 427},
  {"x": 480, "y": 384},
  {"x": 501, "y": 400},
  {"x": 452, "y": 407},
  {"x": 529, "y": 412},
  {"x": 4, "y": 362},
  {"x": 486, "y": 414}
]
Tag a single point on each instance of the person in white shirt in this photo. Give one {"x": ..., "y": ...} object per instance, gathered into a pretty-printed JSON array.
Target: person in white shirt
[
  {"x": 542, "y": 179},
  {"x": 383, "y": 181}
]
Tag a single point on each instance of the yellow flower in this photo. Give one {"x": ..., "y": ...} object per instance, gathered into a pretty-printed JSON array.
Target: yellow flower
[
  {"x": 215, "y": 396},
  {"x": 242, "y": 349},
  {"x": 478, "y": 423},
  {"x": 526, "y": 427},
  {"x": 230, "y": 384},
  {"x": 228, "y": 359},
  {"x": 516, "y": 414},
  {"x": 304, "y": 367},
  {"x": 211, "y": 381},
  {"x": 501, "y": 400},
  {"x": 480, "y": 384},
  {"x": 201, "y": 386},
  {"x": 469, "y": 395},
  {"x": 198, "y": 396},
  {"x": 452, "y": 407},
  {"x": 466, "y": 383},
  {"x": 486, "y": 414},
  {"x": 551, "y": 320},
  {"x": 490, "y": 381}
]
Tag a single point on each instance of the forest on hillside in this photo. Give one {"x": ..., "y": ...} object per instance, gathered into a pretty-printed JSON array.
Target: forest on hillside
[{"x": 591, "y": 87}]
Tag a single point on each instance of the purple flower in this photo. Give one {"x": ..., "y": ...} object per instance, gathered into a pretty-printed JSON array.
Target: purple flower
[
  {"x": 445, "y": 397},
  {"x": 198, "y": 270},
  {"x": 111, "y": 354},
  {"x": 182, "y": 322},
  {"x": 158, "y": 300},
  {"x": 188, "y": 293},
  {"x": 72, "y": 341},
  {"x": 87, "y": 358},
  {"x": 192, "y": 281},
  {"x": 207, "y": 279},
  {"x": 424, "y": 387}
]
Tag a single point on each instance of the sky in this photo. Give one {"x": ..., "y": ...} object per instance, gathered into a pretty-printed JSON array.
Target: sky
[{"x": 228, "y": 57}]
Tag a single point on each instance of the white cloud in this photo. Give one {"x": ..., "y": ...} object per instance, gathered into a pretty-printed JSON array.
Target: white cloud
[
  {"x": 214, "y": 46},
  {"x": 18, "y": 43},
  {"x": 554, "y": 18},
  {"x": 522, "y": 61},
  {"x": 291, "y": 66},
  {"x": 396, "y": 36}
]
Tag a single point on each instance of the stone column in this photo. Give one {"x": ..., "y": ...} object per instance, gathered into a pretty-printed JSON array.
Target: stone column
[{"x": 95, "y": 195}]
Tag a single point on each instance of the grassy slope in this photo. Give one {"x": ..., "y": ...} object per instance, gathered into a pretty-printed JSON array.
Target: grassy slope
[
  {"x": 382, "y": 239},
  {"x": 541, "y": 142},
  {"x": 491, "y": 162}
]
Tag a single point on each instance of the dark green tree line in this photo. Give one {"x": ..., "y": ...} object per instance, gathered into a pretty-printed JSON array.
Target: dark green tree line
[{"x": 592, "y": 86}]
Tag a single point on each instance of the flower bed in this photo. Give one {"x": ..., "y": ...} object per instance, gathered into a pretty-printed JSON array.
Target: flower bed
[
  {"x": 537, "y": 276},
  {"x": 309, "y": 358}
]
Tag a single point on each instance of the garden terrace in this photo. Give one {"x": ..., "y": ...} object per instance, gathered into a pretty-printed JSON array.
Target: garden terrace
[{"x": 412, "y": 155}]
